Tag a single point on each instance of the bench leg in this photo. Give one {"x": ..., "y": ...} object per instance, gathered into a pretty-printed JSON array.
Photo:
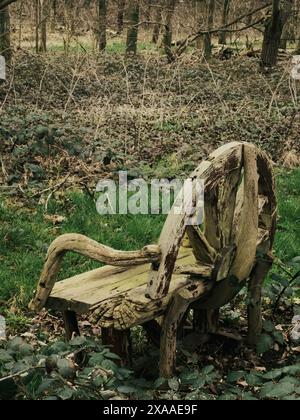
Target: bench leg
[
  {"x": 175, "y": 314},
  {"x": 118, "y": 341},
  {"x": 71, "y": 324},
  {"x": 257, "y": 278}
]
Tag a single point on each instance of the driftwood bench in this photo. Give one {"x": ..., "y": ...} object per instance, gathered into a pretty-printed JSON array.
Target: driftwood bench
[{"x": 233, "y": 246}]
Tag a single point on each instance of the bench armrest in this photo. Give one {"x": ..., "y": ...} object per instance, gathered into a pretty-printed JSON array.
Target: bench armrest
[{"x": 85, "y": 246}]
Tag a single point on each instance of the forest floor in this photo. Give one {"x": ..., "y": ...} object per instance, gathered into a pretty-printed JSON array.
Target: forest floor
[{"x": 66, "y": 123}]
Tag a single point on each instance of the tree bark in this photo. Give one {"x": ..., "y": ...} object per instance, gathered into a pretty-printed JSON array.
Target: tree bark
[
  {"x": 102, "y": 24},
  {"x": 43, "y": 25},
  {"x": 257, "y": 278},
  {"x": 157, "y": 24},
  {"x": 5, "y": 48},
  {"x": 171, "y": 4},
  {"x": 120, "y": 16},
  {"x": 132, "y": 31},
  {"x": 5, "y": 3},
  {"x": 273, "y": 32},
  {"x": 225, "y": 16},
  {"x": 210, "y": 24},
  {"x": 286, "y": 35}
]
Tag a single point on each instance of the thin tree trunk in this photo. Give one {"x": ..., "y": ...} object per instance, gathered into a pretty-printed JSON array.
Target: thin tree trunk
[
  {"x": 286, "y": 35},
  {"x": 210, "y": 24},
  {"x": 132, "y": 31},
  {"x": 148, "y": 12},
  {"x": 157, "y": 24},
  {"x": 102, "y": 24},
  {"x": 200, "y": 17},
  {"x": 5, "y": 48},
  {"x": 43, "y": 25},
  {"x": 37, "y": 25},
  {"x": 120, "y": 17},
  {"x": 297, "y": 49},
  {"x": 54, "y": 14},
  {"x": 225, "y": 16},
  {"x": 171, "y": 4},
  {"x": 273, "y": 32}
]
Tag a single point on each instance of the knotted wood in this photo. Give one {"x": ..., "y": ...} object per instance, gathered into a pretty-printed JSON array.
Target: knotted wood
[{"x": 85, "y": 246}]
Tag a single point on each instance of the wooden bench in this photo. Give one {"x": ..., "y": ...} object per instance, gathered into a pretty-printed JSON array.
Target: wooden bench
[{"x": 233, "y": 245}]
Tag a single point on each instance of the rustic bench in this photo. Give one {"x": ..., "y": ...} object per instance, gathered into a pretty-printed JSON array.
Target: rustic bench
[{"x": 205, "y": 272}]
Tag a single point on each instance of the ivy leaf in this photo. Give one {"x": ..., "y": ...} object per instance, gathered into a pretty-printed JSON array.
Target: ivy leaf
[
  {"x": 66, "y": 393},
  {"x": 208, "y": 369},
  {"x": 282, "y": 389},
  {"x": 78, "y": 341},
  {"x": 235, "y": 376},
  {"x": 173, "y": 384},
  {"x": 66, "y": 369},
  {"x": 5, "y": 357},
  {"x": 264, "y": 343},
  {"x": 252, "y": 379},
  {"x": 126, "y": 389},
  {"x": 112, "y": 356},
  {"x": 159, "y": 382},
  {"x": 278, "y": 337}
]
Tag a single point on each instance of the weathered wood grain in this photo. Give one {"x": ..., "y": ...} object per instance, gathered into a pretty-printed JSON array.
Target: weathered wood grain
[{"x": 85, "y": 246}]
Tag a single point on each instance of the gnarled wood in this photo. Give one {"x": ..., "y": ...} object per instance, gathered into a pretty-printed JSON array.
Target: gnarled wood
[
  {"x": 176, "y": 311},
  {"x": 259, "y": 273},
  {"x": 247, "y": 228},
  {"x": 162, "y": 281},
  {"x": 91, "y": 249},
  {"x": 222, "y": 162}
]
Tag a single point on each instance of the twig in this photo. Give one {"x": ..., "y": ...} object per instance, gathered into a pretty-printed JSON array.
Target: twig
[{"x": 52, "y": 189}]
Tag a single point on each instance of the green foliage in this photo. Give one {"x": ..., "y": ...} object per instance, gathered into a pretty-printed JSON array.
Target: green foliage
[
  {"x": 85, "y": 369},
  {"x": 51, "y": 372}
]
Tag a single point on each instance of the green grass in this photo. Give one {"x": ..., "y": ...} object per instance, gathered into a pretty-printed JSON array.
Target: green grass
[
  {"x": 25, "y": 236},
  {"x": 287, "y": 244},
  {"x": 113, "y": 47}
]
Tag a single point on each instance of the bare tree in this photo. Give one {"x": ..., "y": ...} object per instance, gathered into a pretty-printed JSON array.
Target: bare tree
[
  {"x": 225, "y": 16},
  {"x": 5, "y": 3},
  {"x": 273, "y": 31},
  {"x": 170, "y": 8},
  {"x": 102, "y": 24},
  {"x": 210, "y": 24},
  {"x": 43, "y": 24},
  {"x": 5, "y": 49},
  {"x": 120, "y": 15},
  {"x": 157, "y": 21},
  {"x": 133, "y": 22}
]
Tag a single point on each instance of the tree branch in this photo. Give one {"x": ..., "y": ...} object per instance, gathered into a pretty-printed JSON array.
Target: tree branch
[
  {"x": 5, "y": 3},
  {"x": 191, "y": 38}
]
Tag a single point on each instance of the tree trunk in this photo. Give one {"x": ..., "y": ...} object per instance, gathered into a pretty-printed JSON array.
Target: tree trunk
[
  {"x": 43, "y": 25},
  {"x": 286, "y": 35},
  {"x": 200, "y": 17},
  {"x": 102, "y": 24},
  {"x": 120, "y": 17},
  {"x": 132, "y": 31},
  {"x": 157, "y": 24},
  {"x": 54, "y": 14},
  {"x": 5, "y": 49},
  {"x": 148, "y": 7},
  {"x": 225, "y": 16},
  {"x": 37, "y": 25},
  {"x": 297, "y": 49},
  {"x": 171, "y": 4},
  {"x": 210, "y": 25},
  {"x": 273, "y": 32}
]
